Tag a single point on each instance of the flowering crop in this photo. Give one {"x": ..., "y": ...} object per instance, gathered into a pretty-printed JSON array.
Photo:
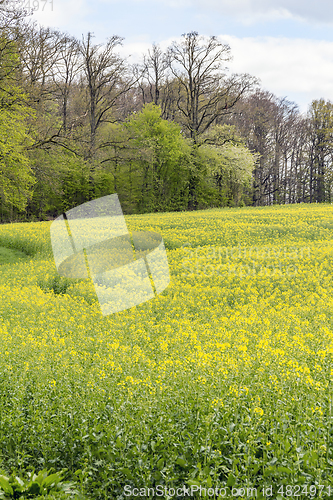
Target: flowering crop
[{"x": 223, "y": 379}]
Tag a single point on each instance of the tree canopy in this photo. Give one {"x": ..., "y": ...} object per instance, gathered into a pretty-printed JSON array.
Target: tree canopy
[{"x": 175, "y": 132}]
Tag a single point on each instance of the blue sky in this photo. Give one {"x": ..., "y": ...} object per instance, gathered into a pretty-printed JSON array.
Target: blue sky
[{"x": 288, "y": 44}]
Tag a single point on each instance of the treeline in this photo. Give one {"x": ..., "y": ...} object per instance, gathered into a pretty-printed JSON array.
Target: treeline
[{"x": 175, "y": 132}]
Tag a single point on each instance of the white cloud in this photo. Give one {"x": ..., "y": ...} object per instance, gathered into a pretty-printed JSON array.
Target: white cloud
[
  {"x": 134, "y": 51},
  {"x": 299, "y": 69},
  {"x": 62, "y": 13},
  {"x": 247, "y": 11},
  {"x": 254, "y": 10}
]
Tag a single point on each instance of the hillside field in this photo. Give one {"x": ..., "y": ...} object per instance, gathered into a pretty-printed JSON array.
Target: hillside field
[{"x": 220, "y": 386}]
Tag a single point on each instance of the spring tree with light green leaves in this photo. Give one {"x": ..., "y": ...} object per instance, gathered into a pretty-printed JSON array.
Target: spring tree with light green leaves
[
  {"x": 16, "y": 176},
  {"x": 227, "y": 165}
]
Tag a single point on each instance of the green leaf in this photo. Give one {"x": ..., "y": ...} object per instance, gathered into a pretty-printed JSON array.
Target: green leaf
[
  {"x": 4, "y": 484},
  {"x": 281, "y": 468},
  {"x": 193, "y": 482},
  {"x": 269, "y": 470},
  {"x": 19, "y": 481},
  {"x": 127, "y": 472},
  {"x": 41, "y": 476},
  {"x": 206, "y": 470},
  {"x": 52, "y": 479},
  {"x": 34, "y": 489},
  {"x": 231, "y": 480},
  {"x": 160, "y": 463},
  {"x": 181, "y": 462}
]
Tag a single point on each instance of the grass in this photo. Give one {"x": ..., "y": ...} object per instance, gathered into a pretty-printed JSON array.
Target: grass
[
  {"x": 222, "y": 381},
  {"x": 10, "y": 256}
]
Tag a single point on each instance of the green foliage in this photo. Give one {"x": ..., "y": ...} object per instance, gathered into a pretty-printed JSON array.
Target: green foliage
[
  {"x": 56, "y": 283},
  {"x": 237, "y": 161},
  {"x": 162, "y": 160},
  {"x": 16, "y": 178},
  {"x": 147, "y": 161},
  {"x": 47, "y": 165},
  {"x": 220, "y": 135},
  {"x": 9, "y": 255},
  {"x": 200, "y": 193},
  {"x": 229, "y": 164},
  {"x": 62, "y": 181},
  {"x": 42, "y": 483},
  {"x": 9, "y": 64},
  {"x": 29, "y": 244},
  {"x": 60, "y": 285},
  {"x": 321, "y": 114}
]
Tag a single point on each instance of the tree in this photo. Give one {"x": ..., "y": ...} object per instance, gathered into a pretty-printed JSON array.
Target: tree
[
  {"x": 269, "y": 125},
  {"x": 230, "y": 163},
  {"x": 48, "y": 61},
  {"x": 65, "y": 72},
  {"x": 105, "y": 73},
  {"x": 117, "y": 154},
  {"x": 162, "y": 160},
  {"x": 61, "y": 182},
  {"x": 204, "y": 91},
  {"x": 16, "y": 178},
  {"x": 321, "y": 119},
  {"x": 39, "y": 51},
  {"x": 154, "y": 73}
]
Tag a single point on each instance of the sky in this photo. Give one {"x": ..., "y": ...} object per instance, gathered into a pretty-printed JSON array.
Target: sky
[{"x": 287, "y": 44}]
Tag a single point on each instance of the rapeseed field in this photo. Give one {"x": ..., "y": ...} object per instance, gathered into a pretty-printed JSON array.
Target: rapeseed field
[{"x": 220, "y": 387}]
